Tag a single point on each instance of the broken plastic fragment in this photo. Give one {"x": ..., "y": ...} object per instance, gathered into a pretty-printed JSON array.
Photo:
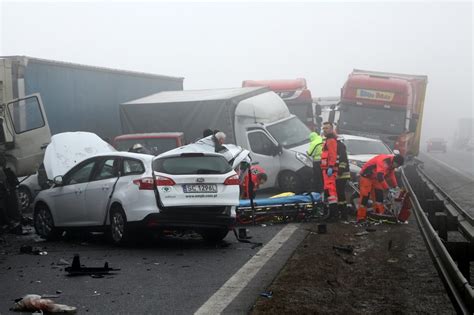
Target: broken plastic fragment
[{"x": 34, "y": 302}]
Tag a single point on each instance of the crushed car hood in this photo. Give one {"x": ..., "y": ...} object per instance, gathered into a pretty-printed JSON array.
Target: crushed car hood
[{"x": 69, "y": 148}]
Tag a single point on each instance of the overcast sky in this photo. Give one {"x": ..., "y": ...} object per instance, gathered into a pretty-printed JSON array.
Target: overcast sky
[{"x": 220, "y": 44}]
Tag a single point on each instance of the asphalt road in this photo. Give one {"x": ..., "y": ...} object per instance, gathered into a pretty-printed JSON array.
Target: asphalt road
[
  {"x": 453, "y": 171},
  {"x": 171, "y": 275}
]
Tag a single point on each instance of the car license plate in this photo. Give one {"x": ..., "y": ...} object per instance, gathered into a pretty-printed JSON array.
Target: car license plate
[{"x": 200, "y": 188}]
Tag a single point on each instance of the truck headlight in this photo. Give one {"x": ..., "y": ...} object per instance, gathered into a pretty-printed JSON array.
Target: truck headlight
[{"x": 303, "y": 158}]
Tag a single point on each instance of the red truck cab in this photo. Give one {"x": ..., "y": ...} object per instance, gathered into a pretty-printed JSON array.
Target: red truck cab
[
  {"x": 382, "y": 106},
  {"x": 295, "y": 93},
  {"x": 156, "y": 143}
]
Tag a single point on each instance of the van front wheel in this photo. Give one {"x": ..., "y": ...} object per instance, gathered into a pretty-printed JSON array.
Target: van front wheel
[{"x": 290, "y": 182}]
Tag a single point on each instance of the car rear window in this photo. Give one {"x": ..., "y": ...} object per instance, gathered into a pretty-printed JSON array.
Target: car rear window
[{"x": 181, "y": 165}]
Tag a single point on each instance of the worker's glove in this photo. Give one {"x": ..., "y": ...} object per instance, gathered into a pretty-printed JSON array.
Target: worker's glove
[{"x": 329, "y": 171}]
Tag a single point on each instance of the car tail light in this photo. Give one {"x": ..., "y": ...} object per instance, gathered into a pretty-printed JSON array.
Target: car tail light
[
  {"x": 164, "y": 181},
  {"x": 145, "y": 183},
  {"x": 232, "y": 180}
]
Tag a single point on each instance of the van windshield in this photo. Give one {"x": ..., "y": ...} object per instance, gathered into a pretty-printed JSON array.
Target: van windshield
[{"x": 290, "y": 133}]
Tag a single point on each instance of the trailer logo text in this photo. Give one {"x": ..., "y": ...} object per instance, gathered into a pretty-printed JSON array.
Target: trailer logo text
[{"x": 375, "y": 95}]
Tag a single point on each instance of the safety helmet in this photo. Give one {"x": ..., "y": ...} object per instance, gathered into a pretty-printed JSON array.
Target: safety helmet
[{"x": 397, "y": 158}]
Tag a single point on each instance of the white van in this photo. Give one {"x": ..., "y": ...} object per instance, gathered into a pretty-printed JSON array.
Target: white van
[{"x": 254, "y": 118}]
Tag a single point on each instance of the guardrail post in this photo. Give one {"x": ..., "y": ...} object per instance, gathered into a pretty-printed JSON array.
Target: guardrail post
[
  {"x": 442, "y": 225},
  {"x": 432, "y": 207},
  {"x": 462, "y": 253}
]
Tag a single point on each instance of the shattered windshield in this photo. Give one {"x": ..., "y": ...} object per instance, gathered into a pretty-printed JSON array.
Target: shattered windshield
[
  {"x": 290, "y": 133},
  {"x": 374, "y": 119}
]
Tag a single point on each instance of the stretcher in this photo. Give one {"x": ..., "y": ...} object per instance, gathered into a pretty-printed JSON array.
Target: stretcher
[{"x": 288, "y": 208}]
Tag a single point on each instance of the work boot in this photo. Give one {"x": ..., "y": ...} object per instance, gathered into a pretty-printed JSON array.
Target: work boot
[
  {"x": 343, "y": 211},
  {"x": 333, "y": 213}
]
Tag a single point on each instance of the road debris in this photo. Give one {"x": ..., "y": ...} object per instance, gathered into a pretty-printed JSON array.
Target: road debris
[
  {"x": 77, "y": 269},
  {"x": 27, "y": 249},
  {"x": 348, "y": 249},
  {"x": 361, "y": 233},
  {"x": 34, "y": 302},
  {"x": 267, "y": 294},
  {"x": 392, "y": 260}
]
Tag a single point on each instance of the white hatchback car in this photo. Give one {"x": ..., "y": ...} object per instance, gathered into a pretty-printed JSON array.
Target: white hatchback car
[
  {"x": 99, "y": 192},
  {"x": 199, "y": 188}
]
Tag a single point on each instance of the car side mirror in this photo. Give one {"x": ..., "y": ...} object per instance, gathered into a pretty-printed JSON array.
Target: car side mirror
[{"x": 58, "y": 180}]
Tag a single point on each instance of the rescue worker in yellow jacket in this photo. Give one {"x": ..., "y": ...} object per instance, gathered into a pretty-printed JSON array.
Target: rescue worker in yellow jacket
[{"x": 314, "y": 151}]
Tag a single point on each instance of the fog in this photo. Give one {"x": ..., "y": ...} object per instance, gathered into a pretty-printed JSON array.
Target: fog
[{"x": 220, "y": 44}]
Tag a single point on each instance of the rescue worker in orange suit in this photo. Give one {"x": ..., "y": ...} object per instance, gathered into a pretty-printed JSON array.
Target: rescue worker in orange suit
[
  {"x": 258, "y": 177},
  {"x": 373, "y": 178},
  {"x": 329, "y": 167}
]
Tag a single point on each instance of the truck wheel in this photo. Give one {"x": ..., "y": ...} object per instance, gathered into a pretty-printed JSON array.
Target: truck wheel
[
  {"x": 44, "y": 223},
  {"x": 24, "y": 198},
  {"x": 118, "y": 226},
  {"x": 214, "y": 235},
  {"x": 290, "y": 182}
]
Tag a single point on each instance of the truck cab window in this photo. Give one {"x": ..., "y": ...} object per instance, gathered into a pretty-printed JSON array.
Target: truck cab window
[
  {"x": 26, "y": 114},
  {"x": 260, "y": 143}
]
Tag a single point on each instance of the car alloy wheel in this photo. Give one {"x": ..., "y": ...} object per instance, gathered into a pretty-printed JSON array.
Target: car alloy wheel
[
  {"x": 289, "y": 182},
  {"x": 118, "y": 226},
  {"x": 44, "y": 223},
  {"x": 24, "y": 198}
]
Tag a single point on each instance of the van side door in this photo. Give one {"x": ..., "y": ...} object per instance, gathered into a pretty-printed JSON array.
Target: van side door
[
  {"x": 265, "y": 152},
  {"x": 27, "y": 133}
]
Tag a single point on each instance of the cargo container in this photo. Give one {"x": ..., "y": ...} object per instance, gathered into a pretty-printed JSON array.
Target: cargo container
[{"x": 78, "y": 97}]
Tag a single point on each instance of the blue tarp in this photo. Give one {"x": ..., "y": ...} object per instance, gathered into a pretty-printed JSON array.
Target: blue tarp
[{"x": 306, "y": 198}]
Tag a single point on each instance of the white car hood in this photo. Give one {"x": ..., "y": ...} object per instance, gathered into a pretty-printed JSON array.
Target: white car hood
[{"x": 69, "y": 148}]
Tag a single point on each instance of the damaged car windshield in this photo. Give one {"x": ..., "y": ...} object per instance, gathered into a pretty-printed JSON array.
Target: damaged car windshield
[
  {"x": 290, "y": 133},
  {"x": 182, "y": 165}
]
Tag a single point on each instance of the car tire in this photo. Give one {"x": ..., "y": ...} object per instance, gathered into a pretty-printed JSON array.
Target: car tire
[
  {"x": 118, "y": 233},
  {"x": 214, "y": 235},
  {"x": 44, "y": 223},
  {"x": 24, "y": 198},
  {"x": 290, "y": 182}
]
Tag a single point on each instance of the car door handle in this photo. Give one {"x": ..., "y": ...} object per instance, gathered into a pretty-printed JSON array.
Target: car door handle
[
  {"x": 78, "y": 191},
  {"x": 105, "y": 187}
]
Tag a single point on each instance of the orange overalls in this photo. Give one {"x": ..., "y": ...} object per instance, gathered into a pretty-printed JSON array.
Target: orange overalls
[
  {"x": 372, "y": 180},
  {"x": 328, "y": 160}
]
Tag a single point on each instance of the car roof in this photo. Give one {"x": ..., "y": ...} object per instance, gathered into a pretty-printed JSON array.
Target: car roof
[
  {"x": 205, "y": 146},
  {"x": 134, "y": 136},
  {"x": 145, "y": 157},
  {"x": 352, "y": 137}
]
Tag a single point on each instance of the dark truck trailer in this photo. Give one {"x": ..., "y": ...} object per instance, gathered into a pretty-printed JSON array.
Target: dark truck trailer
[{"x": 78, "y": 97}]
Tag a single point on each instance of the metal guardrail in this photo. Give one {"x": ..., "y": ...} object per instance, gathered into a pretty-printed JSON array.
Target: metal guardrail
[{"x": 443, "y": 253}]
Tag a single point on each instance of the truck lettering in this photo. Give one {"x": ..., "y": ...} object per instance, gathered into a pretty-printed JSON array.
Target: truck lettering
[{"x": 375, "y": 95}]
